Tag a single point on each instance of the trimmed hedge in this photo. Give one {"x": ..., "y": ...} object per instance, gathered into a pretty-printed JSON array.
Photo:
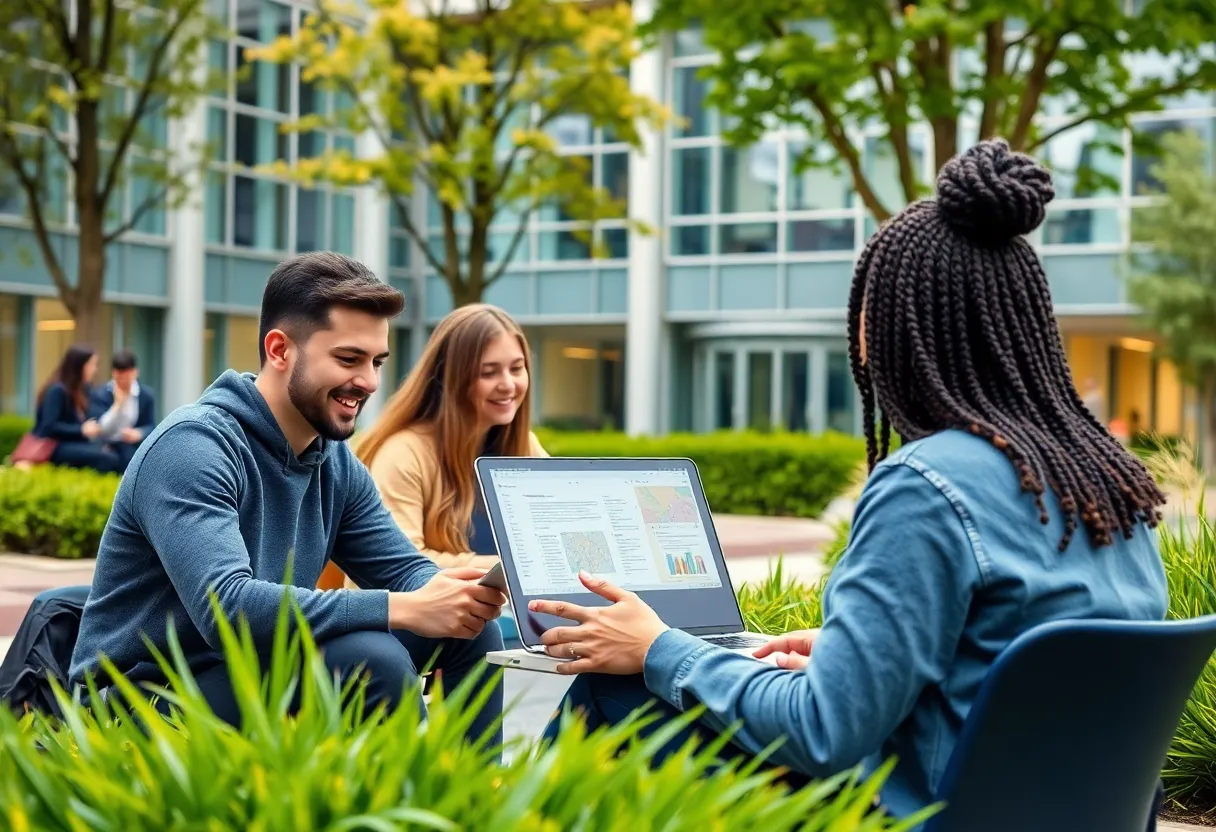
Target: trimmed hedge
[
  {"x": 48, "y": 510},
  {"x": 789, "y": 474},
  {"x": 12, "y": 428}
]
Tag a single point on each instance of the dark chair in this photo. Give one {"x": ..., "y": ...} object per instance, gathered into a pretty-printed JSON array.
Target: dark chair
[{"x": 1071, "y": 727}]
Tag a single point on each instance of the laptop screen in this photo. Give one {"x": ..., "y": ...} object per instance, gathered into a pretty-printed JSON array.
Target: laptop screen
[{"x": 642, "y": 524}]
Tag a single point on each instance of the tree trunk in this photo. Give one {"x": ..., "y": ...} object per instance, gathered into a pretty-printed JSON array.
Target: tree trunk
[
  {"x": 479, "y": 244},
  {"x": 91, "y": 276},
  {"x": 464, "y": 292},
  {"x": 945, "y": 140},
  {"x": 90, "y": 217}
]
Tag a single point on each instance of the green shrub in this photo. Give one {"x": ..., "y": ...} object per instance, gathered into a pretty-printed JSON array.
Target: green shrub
[
  {"x": 780, "y": 605},
  {"x": 1190, "y": 566},
  {"x": 48, "y": 510},
  {"x": 790, "y": 474},
  {"x": 12, "y": 428},
  {"x": 328, "y": 768},
  {"x": 835, "y": 550}
]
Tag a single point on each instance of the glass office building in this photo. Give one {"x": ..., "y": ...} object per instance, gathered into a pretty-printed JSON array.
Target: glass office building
[{"x": 732, "y": 316}]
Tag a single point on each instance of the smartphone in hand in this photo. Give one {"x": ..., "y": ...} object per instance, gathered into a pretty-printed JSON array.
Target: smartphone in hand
[{"x": 495, "y": 578}]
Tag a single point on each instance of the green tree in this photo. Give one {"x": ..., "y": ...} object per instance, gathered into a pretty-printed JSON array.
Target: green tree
[
  {"x": 1173, "y": 277},
  {"x": 87, "y": 89},
  {"x": 835, "y": 67},
  {"x": 461, "y": 102}
]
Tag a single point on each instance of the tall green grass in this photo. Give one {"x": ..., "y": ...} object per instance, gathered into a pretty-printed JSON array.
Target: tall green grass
[
  {"x": 327, "y": 766},
  {"x": 1188, "y": 551},
  {"x": 782, "y": 604}
]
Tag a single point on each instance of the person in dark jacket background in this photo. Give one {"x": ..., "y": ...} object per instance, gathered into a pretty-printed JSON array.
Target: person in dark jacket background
[
  {"x": 62, "y": 409},
  {"x": 124, "y": 408}
]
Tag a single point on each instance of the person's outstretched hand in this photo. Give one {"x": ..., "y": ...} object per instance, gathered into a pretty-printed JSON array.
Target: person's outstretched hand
[
  {"x": 612, "y": 639},
  {"x": 791, "y": 651}
]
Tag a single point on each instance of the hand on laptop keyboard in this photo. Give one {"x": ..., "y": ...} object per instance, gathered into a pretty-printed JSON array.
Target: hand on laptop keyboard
[{"x": 792, "y": 650}]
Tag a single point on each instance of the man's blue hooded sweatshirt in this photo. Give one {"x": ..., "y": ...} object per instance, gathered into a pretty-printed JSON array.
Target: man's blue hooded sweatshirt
[{"x": 215, "y": 499}]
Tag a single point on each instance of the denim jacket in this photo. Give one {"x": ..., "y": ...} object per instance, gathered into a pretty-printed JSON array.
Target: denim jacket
[{"x": 947, "y": 563}]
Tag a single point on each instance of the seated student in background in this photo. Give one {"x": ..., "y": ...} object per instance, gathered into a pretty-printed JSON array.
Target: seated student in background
[
  {"x": 468, "y": 396},
  {"x": 62, "y": 414},
  {"x": 124, "y": 408},
  {"x": 1008, "y": 506},
  {"x": 223, "y": 492}
]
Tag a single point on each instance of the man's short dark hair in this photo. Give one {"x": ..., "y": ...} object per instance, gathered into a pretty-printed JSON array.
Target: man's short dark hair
[
  {"x": 303, "y": 289},
  {"x": 123, "y": 360}
]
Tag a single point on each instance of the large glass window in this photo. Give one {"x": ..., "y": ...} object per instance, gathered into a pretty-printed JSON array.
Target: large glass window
[
  {"x": 580, "y": 383},
  {"x": 760, "y": 390},
  {"x": 247, "y": 207},
  {"x": 689, "y": 240},
  {"x": 840, "y": 398},
  {"x": 818, "y": 187},
  {"x": 13, "y": 355},
  {"x": 562, "y": 245},
  {"x": 821, "y": 235},
  {"x": 749, "y": 179},
  {"x": 882, "y": 168},
  {"x": 1148, "y": 156},
  {"x": 262, "y": 20},
  {"x": 748, "y": 238},
  {"x": 691, "y": 185},
  {"x": 55, "y": 331},
  {"x": 259, "y": 213},
  {"x": 241, "y": 348},
  {"x": 1086, "y": 161},
  {"x": 689, "y": 93},
  {"x": 724, "y": 390},
  {"x": 1081, "y": 226},
  {"x": 571, "y": 129},
  {"x": 310, "y": 220},
  {"x": 794, "y": 386}
]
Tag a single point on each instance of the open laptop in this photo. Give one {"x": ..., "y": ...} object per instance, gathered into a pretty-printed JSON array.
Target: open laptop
[{"x": 641, "y": 523}]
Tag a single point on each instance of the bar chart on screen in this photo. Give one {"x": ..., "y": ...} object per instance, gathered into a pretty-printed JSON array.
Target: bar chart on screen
[{"x": 685, "y": 564}]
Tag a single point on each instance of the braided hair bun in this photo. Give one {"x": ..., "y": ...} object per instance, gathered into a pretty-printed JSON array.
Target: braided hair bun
[
  {"x": 960, "y": 334},
  {"x": 992, "y": 194}
]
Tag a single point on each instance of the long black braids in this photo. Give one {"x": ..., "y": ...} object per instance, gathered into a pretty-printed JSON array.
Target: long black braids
[{"x": 960, "y": 334}]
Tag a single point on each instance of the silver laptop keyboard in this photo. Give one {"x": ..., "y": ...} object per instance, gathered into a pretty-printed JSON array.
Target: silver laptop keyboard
[{"x": 735, "y": 642}]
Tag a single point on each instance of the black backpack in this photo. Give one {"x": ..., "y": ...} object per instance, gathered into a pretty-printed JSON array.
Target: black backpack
[{"x": 42, "y": 650}]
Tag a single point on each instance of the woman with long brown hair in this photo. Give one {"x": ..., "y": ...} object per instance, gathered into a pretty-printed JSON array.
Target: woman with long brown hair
[
  {"x": 468, "y": 396},
  {"x": 62, "y": 414}
]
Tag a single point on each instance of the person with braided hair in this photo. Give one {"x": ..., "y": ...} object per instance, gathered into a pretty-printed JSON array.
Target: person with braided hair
[{"x": 1006, "y": 506}]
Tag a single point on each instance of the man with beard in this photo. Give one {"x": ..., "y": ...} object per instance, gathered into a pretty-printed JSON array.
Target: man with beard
[{"x": 226, "y": 493}]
